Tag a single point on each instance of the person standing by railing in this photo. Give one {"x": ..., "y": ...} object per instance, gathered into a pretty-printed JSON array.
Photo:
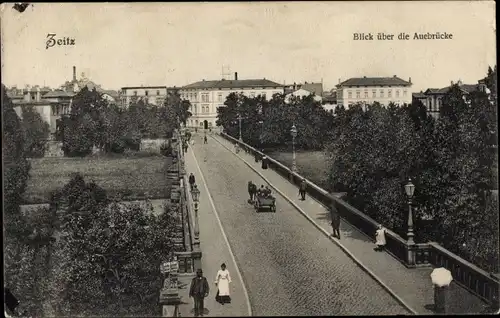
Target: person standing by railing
[
  {"x": 302, "y": 189},
  {"x": 380, "y": 238},
  {"x": 192, "y": 181}
]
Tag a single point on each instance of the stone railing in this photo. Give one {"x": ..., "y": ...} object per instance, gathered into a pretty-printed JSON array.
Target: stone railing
[
  {"x": 184, "y": 260},
  {"x": 415, "y": 255},
  {"x": 476, "y": 280}
]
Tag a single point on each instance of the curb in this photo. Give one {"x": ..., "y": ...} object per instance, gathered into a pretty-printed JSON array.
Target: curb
[
  {"x": 233, "y": 258},
  {"x": 327, "y": 234}
]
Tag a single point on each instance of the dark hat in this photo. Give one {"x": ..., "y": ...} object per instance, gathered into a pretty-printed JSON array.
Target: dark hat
[{"x": 199, "y": 270}]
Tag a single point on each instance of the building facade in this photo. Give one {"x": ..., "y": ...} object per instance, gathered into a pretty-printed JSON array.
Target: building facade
[
  {"x": 432, "y": 97},
  {"x": 367, "y": 90},
  {"x": 53, "y": 104},
  {"x": 303, "y": 93},
  {"x": 316, "y": 88},
  {"x": 154, "y": 95},
  {"x": 206, "y": 96}
]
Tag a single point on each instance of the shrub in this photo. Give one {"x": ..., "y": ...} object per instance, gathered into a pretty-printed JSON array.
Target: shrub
[{"x": 166, "y": 149}]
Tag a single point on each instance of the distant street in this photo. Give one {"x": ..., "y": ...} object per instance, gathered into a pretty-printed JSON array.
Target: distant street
[{"x": 289, "y": 267}]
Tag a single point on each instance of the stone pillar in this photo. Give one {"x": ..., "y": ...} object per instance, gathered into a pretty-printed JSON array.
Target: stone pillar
[
  {"x": 441, "y": 299},
  {"x": 411, "y": 255}
]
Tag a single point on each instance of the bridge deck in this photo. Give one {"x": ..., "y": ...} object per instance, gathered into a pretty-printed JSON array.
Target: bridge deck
[
  {"x": 413, "y": 286},
  {"x": 288, "y": 266}
]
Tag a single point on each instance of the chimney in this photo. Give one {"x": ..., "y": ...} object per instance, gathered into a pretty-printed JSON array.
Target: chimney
[
  {"x": 394, "y": 76},
  {"x": 451, "y": 82},
  {"x": 409, "y": 80},
  {"x": 235, "y": 76},
  {"x": 74, "y": 73}
]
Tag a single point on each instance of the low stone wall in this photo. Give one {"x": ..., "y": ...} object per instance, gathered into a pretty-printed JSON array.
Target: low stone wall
[
  {"x": 476, "y": 280},
  {"x": 152, "y": 144}
]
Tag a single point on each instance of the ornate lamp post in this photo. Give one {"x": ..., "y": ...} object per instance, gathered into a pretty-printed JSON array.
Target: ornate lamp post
[
  {"x": 239, "y": 120},
  {"x": 195, "y": 193},
  {"x": 410, "y": 245},
  {"x": 293, "y": 132},
  {"x": 410, "y": 189},
  {"x": 261, "y": 125}
]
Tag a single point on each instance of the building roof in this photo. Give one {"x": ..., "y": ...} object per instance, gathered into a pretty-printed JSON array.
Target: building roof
[
  {"x": 233, "y": 84},
  {"x": 58, "y": 93},
  {"x": 111, "y": 93},
  {"x": 143, "y": 87},
  {"x": 374, "y": 81},
  {"x": 418, "y": 95},
  {"x": 42, "y": 102},
  {"x": 466, "y": 88},
  {"x": 303, "y": 92}
]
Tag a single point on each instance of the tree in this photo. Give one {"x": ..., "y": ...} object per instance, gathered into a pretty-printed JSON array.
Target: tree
[
  {"x": 85, "y": 127},
  {"x": 180, "y": 106},
  {"x": 16, "y": 169},
  {"x": 110, "y": 253},
  {"x": 36, "y": 132}
]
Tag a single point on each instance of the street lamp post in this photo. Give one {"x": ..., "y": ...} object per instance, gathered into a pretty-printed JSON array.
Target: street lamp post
[
  {"x": 293, "y": 132},
  {"x": 195, "y": 193},
  {"x": 410, "y": 189},
  {"x": 239, "y": 120}
]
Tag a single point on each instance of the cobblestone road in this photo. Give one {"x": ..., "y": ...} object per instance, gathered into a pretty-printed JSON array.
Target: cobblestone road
[{"x": 289, "y": 267}]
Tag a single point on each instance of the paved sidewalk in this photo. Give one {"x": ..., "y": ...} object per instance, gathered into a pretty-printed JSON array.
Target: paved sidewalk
[
  {"x": 413, "y": 286},
  {"x": 215, "y": 252}
]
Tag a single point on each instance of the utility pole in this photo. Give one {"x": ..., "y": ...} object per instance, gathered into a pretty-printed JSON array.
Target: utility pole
[{"x": 226, "y": 73}]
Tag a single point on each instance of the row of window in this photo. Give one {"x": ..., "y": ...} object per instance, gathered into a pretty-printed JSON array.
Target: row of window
[
  {"x": 201, "y": 123},
  {"x": 374, "y": 94},
  {"x": 58, "y": 110},
  {"x": 146, "y": 93},
  {"x": 205, "y": 97}
]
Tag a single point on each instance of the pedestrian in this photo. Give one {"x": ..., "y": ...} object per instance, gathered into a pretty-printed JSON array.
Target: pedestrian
[
  {"x": 199, "y": 290},
  {"x": 302, "y": 189},
  {"x": 192, "y": 181},
  {"x": 250, "y": 191},
  {"x": 222, "y": 281},
  {"x": 265, "y": 164},
  {"x": 335, "y": 222},
  {"x": 380, "y": 238},
  {"x": 205, "y": 139}
]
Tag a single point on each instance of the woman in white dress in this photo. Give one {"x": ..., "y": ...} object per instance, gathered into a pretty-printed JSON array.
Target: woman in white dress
[
  {"x": 380, "y": 238},
  {"x": 222, "y": 281}
]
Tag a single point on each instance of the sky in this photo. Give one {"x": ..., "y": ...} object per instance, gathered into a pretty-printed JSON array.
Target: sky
[{"x": 174, "y": 44}]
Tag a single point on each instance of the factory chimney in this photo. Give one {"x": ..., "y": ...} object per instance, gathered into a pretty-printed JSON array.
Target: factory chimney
[
  {"x": 235, "y": 76},
  {"x": 74, "y": 73}
]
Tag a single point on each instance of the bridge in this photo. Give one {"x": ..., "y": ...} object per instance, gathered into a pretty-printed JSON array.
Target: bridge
[{"x": 287, "y": 263}]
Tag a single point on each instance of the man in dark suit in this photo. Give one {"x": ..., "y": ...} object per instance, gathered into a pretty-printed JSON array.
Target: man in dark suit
[
  {"x": 335, "y": 221},
  {"x": 192, "y": 180},
  {"x": 199, "y": 290}
]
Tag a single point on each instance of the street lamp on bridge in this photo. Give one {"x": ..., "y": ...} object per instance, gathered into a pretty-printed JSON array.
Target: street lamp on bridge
[
  {"x": 195, "y": 194},
  {"x": 239, "y": 120},
  {"x": 410, "y": 189},
  {"x": 293, "y": 132}
]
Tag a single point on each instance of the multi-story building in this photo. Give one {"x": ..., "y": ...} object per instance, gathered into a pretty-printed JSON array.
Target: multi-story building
[
  {"x": 52, "y": 104},
  {"x": 316, "y": 88},
  {"x": 207, "y": 96},
  {"x": 302, "y": 93},
  {"x": 154, "y": 95},
  {"x": 432, "y": 97},
  {"x": 367, "y": 90}
]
